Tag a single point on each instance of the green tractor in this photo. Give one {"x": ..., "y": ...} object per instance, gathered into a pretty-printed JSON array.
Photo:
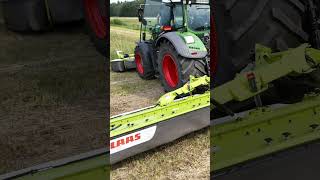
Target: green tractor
[{"x": 174, "y": 41}]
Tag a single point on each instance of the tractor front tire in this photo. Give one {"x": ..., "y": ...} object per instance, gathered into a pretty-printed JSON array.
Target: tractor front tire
[
  {"x": 142, "y": 55},
  {"x": 175, "y": 70}
]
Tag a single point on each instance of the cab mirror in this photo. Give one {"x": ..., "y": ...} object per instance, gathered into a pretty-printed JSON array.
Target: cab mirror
[{"x": 140, "y": 14}]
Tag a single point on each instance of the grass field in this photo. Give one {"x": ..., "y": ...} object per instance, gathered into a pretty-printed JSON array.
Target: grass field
[
  {"x": 127, "y": 22},
  {"x": 128, "y": 90},
  {"x": 186, "y": 158}
]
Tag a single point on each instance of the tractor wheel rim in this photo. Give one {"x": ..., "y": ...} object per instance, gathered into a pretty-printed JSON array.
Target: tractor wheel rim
[
  {"x": 96, "y": 20},
  {"x": 170, "y": 70},
  {"x": 138, "y": 61}
]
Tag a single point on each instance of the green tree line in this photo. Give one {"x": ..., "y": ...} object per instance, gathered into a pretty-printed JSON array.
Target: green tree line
[{"x": 125, "y": 9}]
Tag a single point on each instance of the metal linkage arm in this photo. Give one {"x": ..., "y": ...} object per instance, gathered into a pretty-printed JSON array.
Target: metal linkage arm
[
  {"x": 269, "y": 67},
  {"x": 167, "y": 108},
  {"x": 184, "y": 90}
]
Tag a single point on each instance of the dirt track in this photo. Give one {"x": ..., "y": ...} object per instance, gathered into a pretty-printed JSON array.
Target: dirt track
[{"x": 52, "y": 96}]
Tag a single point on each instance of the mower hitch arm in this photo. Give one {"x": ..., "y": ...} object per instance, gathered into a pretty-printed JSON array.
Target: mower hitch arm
[{"x": 269, "y": 67}]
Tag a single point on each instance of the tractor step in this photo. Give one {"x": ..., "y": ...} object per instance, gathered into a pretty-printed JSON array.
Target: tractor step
[{"x": 173, "y": 117}]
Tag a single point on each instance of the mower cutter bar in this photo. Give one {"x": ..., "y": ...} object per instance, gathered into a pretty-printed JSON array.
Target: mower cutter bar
[
  {"x": 93, "y": 164},
  {"x": 129, "y": 122},
  {"x": 176, "y": 114},
  {"x": 168, "y": 106},
  {"x": 149, "y": 128},
  {"x": 263, "y": 131}
]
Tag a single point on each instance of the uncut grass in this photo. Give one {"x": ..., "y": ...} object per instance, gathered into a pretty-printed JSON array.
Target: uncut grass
[{"x": 126, "y": 22}]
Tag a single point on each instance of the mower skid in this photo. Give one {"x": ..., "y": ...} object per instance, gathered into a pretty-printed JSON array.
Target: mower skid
[
  {"x": 120, "y": 65},
  {"x": 124, "y": 62}
]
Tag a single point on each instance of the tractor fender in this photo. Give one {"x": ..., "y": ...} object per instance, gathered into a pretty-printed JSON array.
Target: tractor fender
[{"x": 180, "y": 46}]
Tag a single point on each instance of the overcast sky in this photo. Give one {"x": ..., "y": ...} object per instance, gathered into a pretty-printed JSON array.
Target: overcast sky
[{"x": 113, "y": 1}]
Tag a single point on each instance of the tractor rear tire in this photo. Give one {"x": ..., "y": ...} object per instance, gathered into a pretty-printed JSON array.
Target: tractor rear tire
[
  {"x": 175, "y": 70},
  {"x": 240, "y": 24},
  {"x": 96, "y": 23},
  {"x": 143, "y": 61}
]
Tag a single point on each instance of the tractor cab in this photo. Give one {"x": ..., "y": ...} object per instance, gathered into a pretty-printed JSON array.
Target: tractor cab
[
  {"x": 160, "y": 16},
  {"x": 174, "y": 41}
]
